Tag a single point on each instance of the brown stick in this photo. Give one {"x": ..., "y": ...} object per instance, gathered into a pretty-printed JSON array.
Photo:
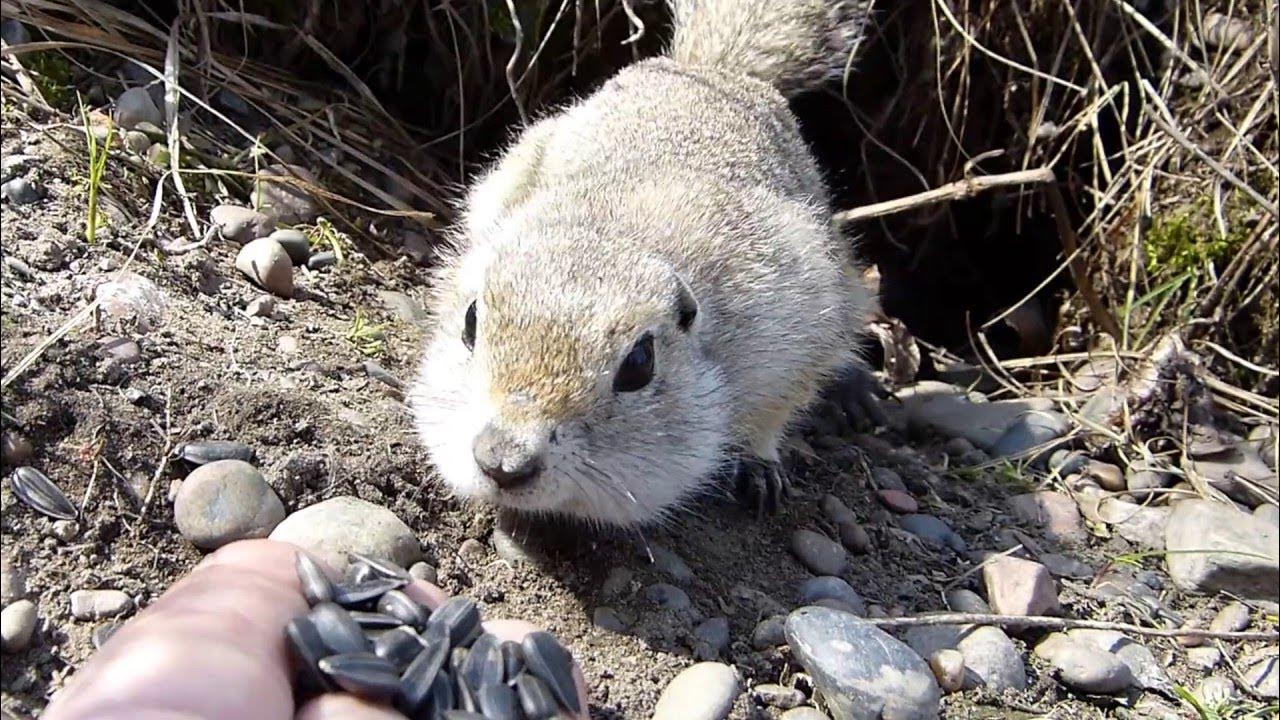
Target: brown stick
[
  {"x": 1057, "y": 623},
  {"x": 958, "y": 190}
]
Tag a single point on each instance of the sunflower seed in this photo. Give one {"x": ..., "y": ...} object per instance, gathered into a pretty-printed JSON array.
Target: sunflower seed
[
  {"x": 499, "y": 702},
  {"x": 363, "y": 594},
  {"x": 535, "y": 698},
  {"x": 512, "y": 660},
  {"x": 458, "y": 658},
  {"x": 417, "y": 679},
  {"x": 465, "y": 697},
  {"x": 37, "y": 491},
  {"x": 363, "y": 674},
  {"x": 547, "y": 659},
  {"x": 316, "y": 587},
  {"x": 462, "y": 715},
  {"x": 385, "y": 568},
  {"x": 400, "y": 646},
  {"x": 374, "y": 620},
  {"x": 207, "y": 451},
  {"x": 460, "y": 617},
  {"x": 441, "y": 693},
  {"x": 338, "y": 629},
  {"x": 484, "y": 662},
  {"x": 403, "y": 608},
  {"x": 308, "y": 648},
  {"x": 359, "y": 572}
]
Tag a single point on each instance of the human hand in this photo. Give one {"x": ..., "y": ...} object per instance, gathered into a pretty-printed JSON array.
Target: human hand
[{"x": 213, "y": 646}]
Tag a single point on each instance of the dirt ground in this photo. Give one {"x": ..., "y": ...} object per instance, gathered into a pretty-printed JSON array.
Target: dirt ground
[{"x": 294, "y": 388}]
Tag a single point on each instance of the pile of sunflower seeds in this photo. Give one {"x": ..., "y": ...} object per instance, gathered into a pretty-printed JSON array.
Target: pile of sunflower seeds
[{"x": 366, "y": 636}]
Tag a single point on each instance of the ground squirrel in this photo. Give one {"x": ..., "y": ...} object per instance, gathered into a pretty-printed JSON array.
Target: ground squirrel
[{"x": 647, "y": 288}]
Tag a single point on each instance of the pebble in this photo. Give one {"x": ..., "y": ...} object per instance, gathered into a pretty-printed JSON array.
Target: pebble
[
  {"x": 1108, "y": 476},
  {"x": 224, "y": 501},
  {"x": 1090, "y": 670},
  {"x": 1054, "y": 512},
  {"x": 898, "y": 501},
  {"x": 1146, "y": 671},
  {"x": 852, "y": 535},
  {"x": 862, "y": 672},
  {"x": 13, "y": 583},
  {"x": 65, "y": 530},
  {"x": 119, "y": 351},
  {"x": 1067, "y": 462},
  {"x": 261, "y": 306},
  {"x": 158, "y": 155},
  {"x": 1142, "y": 525},
  {"x": 1065, "y": 566},
  {"x": 137, "y": 142},
  {"x": 966, "y": 601},
  {"x": 290, "y": 205},
  {"x": 1019, "y": 587},
  {"x": 99, "y": 604},
  {"x": 1249, "y": 557},
  {"x": 266, "y": 263},
  {"x": 423, "y": 571},
  {"x": 1204, "y": 658},
  {"x": 671, "y": 564},
  {"x": 416, "y": 247},
  {"x": 240, "y": 224},
  {"x": 1030, "y": 431},
  {"x": 804, "y": 713},
  {"x": 884, "y": 478},
  {"x": 1140, "y": 483},
  {"x": 135, "y": 106},
  {"x": 472, "y": 550},
  {"x": 958, "y": 447},
  {"x": 932, "y": 529},
  {"x": 403, "y": 307},
  {"x": 1232, "y": 618},
  {"x": 950, "y": 410},
  {"x": 606, "y": 618},
  {"x": 818, "y": 553},
  {"x": 712, "y": 635},
  {"x": 990, "y": 657},
  {"x": 20, "y": 191},
  {"x": 667, "y": 596},
  {"x": 1264, "y": 677},
  {"x": 1215, "y": 691},
  {"x": 15, "y": 449},
  {"x": 133, "y": 300},
  {"x": 769, "y": 633},
  {"x": 948, "y": 669},
  {"x": 335, "y": 527},
  {"x": 833, "y": 588},
  {"x": 17, "y": 625},
  {"x": 12, "y": 165},
  {"x": 704, "y": 691},
  {"x": 779, "y": 696},
  {"x": 294, "y": 242},
  {"x": 617, "y": 582},
  {"x": 322, "y": 260},
  {"x": 14, "y": 33}
]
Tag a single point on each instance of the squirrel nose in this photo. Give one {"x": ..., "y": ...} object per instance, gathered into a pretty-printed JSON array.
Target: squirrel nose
[{"x": 506, "y": 461}]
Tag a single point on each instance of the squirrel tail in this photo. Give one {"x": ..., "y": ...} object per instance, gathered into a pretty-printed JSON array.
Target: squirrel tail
[{"x": 793, "y": 45}]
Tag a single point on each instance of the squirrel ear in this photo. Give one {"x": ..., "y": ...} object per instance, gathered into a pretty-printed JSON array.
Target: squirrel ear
[{"x": 686, "y": 304}]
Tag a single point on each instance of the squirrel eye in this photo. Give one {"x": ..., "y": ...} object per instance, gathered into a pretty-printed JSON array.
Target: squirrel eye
[
  {"x": 637, "y": 367},
  {"x": 469, "y": 327}
]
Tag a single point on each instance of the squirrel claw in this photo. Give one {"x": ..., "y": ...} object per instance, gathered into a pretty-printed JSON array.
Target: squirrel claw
[
  {"x": 762, "y": 485},
  {"x": 858, "y": 393}
]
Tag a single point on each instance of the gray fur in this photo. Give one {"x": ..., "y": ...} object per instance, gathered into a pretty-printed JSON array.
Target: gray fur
[{"x": 681, "y": 176}]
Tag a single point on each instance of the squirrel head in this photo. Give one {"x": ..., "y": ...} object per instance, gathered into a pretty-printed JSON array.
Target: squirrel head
[{"x": 561, "y": 380}]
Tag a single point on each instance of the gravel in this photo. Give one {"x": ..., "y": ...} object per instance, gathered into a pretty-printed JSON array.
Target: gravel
[
  {"x": 20, "y": 191},
  {"x": 240, "y": 224},
  {"x": 834, "y": 588},
  {"x": 818, "y": 553},
  {"x": 99, "y": 604},
  {"x": 990, "y": 657},
  {"x": 933, "y": 530},
  {"x": 135, "y": 106},
  {"x": 266, "y": 263},
  {"x": 1019, "y": 587},
  {"x": 1083, "y": 667}
]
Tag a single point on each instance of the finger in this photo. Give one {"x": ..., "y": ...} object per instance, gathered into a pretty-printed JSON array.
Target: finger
[
  {"x": 211, "y": 646},
  {"x": 341, "y": 706}
]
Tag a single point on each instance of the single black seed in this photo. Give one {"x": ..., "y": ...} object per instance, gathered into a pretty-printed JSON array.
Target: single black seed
[
  {"x": 463, "y": 715},
  {"x": 316, "y": 587},
  {"x": 202, "y": 452},
  {"x": 400, "y": 606},
  {"x": 307, "y": 648},
  {"x": 460, "y": 617},
  {"x": 512, "y": 660},
  {"x": 321, "y": 260},
  {"x": 547, "y": 659},
  {"x": 363, "y": 674},
  {"x": 464, "y": 694},
  {"x": 33, "y": 488},
  {"x": 499, "y": 702},
  {"x": 103, "y": 633},
  {"x": 382, "y": 567},
  {"x": 535, "y": 698},
  {"x": 416, "y": 680},
  {"x": 441, "y": 697},
  {"x": 361, "y": 595},
  {"x": 484, "y": 662},
  {"x": 374, "y": 620},
  {"x": 359, "y": 572},
  {"x": 399, "y": 646},
  {"x": 338, "y": 629}
]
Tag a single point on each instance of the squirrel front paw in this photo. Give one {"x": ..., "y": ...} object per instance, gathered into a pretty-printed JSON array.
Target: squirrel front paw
[
  {"x": 762, "y": 485},
  {"x": 858, "y": 393}
]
